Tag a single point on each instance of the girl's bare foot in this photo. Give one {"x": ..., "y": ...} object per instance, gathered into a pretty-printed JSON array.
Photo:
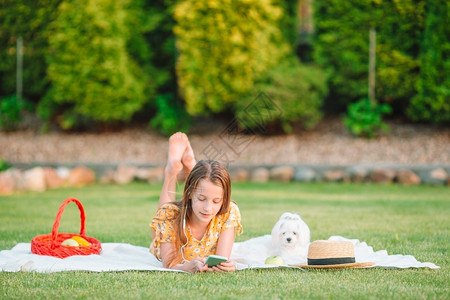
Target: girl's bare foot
[
  {"x": 177, "y": 146},
  {"x": 188, "y": 159}
]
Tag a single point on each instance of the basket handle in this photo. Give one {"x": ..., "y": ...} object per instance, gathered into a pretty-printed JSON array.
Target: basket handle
[{"x": 58, "y": 218}]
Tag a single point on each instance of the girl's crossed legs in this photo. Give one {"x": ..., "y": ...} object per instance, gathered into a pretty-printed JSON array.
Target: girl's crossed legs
[{"x": 180, "y": 156}]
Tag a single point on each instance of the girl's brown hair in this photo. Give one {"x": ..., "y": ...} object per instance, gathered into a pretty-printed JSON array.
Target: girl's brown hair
[{"x": 212, "y": 171}]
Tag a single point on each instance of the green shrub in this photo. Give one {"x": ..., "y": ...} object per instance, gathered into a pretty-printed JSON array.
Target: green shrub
[
  {"x": 286, "y": 93},
  {"x": 289, "y": 21},
  {"x": 341, "y": 45},
  {"x": 223, "y": 47},
  {"x": 167, "y": 113},
  {"x": 4, "y": 165},
  {"x": 397, "y": 73},
  {"x": 432, "y": 102},
  {"x": 364, "y": 119},
  {"x": 157, "y": 23},
  {"x": 92, "y": 75},
  {"x": 171, "y": 116},
  {"x": 26, "y": 19},
  {"x": 11, "y": 112},
  {"x": 412, "y": 53},
  {"x": 143, "y": 21}
]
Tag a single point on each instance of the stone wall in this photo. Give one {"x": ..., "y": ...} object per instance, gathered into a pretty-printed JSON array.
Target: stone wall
[{"x": 41, "y": 178}]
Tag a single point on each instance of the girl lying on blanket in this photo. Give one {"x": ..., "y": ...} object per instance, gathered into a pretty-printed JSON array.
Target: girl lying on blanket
[{"x": 204, "y": 222}]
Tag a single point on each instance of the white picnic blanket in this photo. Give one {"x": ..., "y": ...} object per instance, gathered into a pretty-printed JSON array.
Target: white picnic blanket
[
  {"x": 253, "y": 253},
  {"x": 123, "y": 257}
]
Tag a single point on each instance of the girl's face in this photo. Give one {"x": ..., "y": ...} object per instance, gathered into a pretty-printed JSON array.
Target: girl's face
[{"x": 206, "y": 201}]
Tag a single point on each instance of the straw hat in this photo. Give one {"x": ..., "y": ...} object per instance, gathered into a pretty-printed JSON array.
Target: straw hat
[{"x": 332, "y": 255}]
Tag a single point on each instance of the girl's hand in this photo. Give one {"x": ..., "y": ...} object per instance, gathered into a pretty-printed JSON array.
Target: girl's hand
[
  {"x": 195, "y": 265},
  {"x": 224, "y": 267}
]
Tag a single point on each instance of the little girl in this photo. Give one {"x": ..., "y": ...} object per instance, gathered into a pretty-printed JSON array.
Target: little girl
[{"x": 204, "y": 222}]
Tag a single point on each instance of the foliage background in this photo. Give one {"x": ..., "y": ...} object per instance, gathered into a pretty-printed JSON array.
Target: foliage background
[
  {"x": 412, "y": 40},
  {"x": 93, "y": 75},
  {"x": 164, "y": 62}
]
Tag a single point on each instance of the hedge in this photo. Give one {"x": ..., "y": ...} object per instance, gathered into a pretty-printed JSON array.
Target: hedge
[
  {"x": 223, "y": 47},
  {"x": 432, "y": 102},
  {"x": 29, "y": 20},
  {"x": 91, "y": 73},
  {"x": 341, "y": 45}
]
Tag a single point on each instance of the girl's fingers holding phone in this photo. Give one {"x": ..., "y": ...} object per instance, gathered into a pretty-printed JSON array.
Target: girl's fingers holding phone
[
  {"x": 200, "y": 260},
  {"x": 201, "y": 265},
  {"x": 227, "y": 266},
  {"x": 196, "y": 265},
  {"x": 204, "y": 268}
]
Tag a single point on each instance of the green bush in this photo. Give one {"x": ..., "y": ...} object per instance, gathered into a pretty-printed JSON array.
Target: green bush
[
  {"x": 146, "y": 27},
  {"x": 92, "y": 75},
  {"x": 286, "y": 93},
  {"x": 223, "y": 47},
  {"x": 432, "y": 102},
  {"x": 166, "y": 111},
  {"x": 341, "y": 45},
  {"x": 364, "y": 119},
  {"x": 171, "y": 116},
  {"x": 29, "y": 20},
  {"x": 4, "y": 165},
  {"x": 392, "y": 85},
  {"x": 289, "y": 22},
  {"x": 11, "y": 112},
  {"x": 157, "y": 32}
]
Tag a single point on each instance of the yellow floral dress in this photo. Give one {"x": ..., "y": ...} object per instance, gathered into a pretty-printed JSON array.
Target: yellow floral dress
[{"x": 163, "y": 225}]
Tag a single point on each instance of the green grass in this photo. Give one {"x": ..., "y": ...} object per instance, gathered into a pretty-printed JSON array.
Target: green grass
[{"x": 404, "y": 220}]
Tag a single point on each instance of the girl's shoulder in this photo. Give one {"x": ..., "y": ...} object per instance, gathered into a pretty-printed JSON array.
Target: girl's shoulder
[
  {"x": 233, "y": 206},
  {"x": 170, "y": 206},
  {"x": 230, "y": 219},
  {"x": 233, "y": 210},
  {"x": 167, "y": 211}
]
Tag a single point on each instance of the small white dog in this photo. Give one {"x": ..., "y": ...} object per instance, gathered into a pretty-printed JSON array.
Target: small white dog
[{"x": 291, "y": 237}]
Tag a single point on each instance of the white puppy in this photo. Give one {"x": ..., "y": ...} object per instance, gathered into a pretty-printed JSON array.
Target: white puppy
[{"x": 290, "y": 237}]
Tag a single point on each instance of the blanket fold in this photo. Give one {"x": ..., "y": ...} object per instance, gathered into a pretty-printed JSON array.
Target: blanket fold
[{"x": 122, "y": 257}]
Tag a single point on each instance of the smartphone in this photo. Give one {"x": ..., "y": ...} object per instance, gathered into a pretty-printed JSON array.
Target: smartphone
[{"x": 214, "y": 260}]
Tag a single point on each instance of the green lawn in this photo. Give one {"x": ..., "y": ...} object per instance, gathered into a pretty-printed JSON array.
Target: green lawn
[{"x": 404, "y": 220}]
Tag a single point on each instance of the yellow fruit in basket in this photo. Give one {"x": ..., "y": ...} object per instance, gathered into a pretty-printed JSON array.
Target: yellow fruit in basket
[
  {"x": 81, "y": 240},
  {"x": 70, "y": 242}
]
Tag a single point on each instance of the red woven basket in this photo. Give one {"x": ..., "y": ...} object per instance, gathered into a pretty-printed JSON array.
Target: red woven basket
[{"x": 50, "y": 244}]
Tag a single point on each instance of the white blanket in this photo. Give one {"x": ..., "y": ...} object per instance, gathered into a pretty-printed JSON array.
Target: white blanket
[
  {"x": 253, "y": 253},
  {"x": 122, "y": 257}
]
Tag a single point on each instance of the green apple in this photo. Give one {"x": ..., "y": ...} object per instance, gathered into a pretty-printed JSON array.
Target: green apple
[
  {"x": 70, "y": 242},
  {"x": 274, "y": 260}
]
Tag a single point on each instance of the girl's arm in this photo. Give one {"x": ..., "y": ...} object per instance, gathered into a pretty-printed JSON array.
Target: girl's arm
[
  {"x": 225, "y": 242},
  {"x": 195, "y": 265},
  {"x": 224, "y": 247}
]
